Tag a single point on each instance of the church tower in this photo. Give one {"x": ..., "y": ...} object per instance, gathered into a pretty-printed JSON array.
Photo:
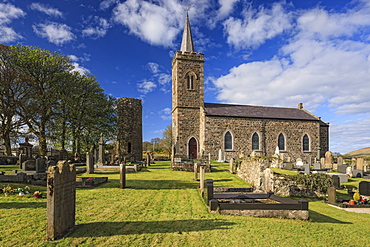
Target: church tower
[{"x": 187, "y": 97}]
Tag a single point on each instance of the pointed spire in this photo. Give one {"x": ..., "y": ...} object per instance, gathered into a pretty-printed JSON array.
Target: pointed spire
[{"x": 187, "y": 38}]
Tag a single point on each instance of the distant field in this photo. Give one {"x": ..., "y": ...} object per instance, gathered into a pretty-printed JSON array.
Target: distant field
[{"x": 363, "y": 152}]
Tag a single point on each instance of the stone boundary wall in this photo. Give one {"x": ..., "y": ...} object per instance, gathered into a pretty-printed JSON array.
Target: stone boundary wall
[{"x": 258, "y": 174}]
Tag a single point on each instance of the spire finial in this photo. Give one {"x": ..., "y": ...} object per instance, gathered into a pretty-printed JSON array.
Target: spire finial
[{"x": 187, "y": 38}]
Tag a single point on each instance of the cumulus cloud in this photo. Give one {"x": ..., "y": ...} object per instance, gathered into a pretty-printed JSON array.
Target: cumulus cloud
[
  {"x": 226, "y": 7},
  {"x": 56, "y": 33},
  {"x": 157, "y": 23},
  {"x": 320, "y": 65},
  {"x": 257, "y": 26},
  {"x": 146, "y": 87},
  {"x": 166, "y": 114},
  {"x": 98, "y": 27},
  {"x": 45, "y": 9},
  {"x": 76, "y": 66},
  {"x": 8, "y": 13},
  {"x": 163, "y": 79}
]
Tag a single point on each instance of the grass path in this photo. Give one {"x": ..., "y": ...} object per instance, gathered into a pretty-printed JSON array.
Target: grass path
[{"x": 161, "y": 207}]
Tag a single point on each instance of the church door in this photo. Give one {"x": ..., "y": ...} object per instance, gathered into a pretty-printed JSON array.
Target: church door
[{"x": 193, "y": 148}]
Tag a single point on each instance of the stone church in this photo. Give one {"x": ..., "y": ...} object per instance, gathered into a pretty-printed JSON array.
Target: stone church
[{"x": 210, "y": 129}]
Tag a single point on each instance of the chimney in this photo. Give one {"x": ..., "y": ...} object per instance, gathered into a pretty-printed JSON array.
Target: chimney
[{"x": 300, "y": 106}]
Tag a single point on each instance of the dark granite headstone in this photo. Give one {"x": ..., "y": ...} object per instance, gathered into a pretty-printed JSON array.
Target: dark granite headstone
[
  {"x": 40, "y": 165},
  {"x": 364, "y": 188},
  {"x": 336, "y": 181},
  {"x": 342, "y": 168},
  {"x": 29, "y": 165}
]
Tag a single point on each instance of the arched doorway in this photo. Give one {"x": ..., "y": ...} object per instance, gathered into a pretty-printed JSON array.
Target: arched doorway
[{"x": 193, "y": 148}]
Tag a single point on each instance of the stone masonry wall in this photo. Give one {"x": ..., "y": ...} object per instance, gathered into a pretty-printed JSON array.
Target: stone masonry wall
[
  {"x": 242, "y": 130},
  {"x": 129, "y": 136}
]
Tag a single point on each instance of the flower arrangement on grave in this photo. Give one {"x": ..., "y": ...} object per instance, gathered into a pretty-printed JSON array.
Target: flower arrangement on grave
[
  {"x": 90, "y": 179},
  {"x": 37, "y": 194},
  {"x": 356, "y": 196},
  {"x": 8, "y": 190}
]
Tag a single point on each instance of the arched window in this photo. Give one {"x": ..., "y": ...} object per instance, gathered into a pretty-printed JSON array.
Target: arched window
[
  {"x": 306, "y": 143},
  {"x": 228, "y": 141},
  {"x": 255, "y": 142},
  {"x": 281, "y": 142},
  {"x": 190, "y": 80}
]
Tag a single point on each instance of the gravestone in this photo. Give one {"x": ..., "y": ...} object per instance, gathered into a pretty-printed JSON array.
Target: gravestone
[
  {"x": 101, "y": 151},
  {"x": 220, "y": 156},
  {"x": 299, "y": 162},
  {"x": 50, "y": 163},
  {"x": 202, "y": 176},
  {"x": 232, "y": 166},
  {"x": 122, "y": 170},
  {"x": 29, "y": 165},
  {"x": 61, "y": 200},
  {"x": 40, "y": 165},
  {"x": 317, "y": 166},
  {"x": 89, "y": 163},
  {"x": 349, "y": 171},
  {"x": 195, "y": 171},
  {"x": 364, "y": 188},
  {"x": 288, "y": 166},
  {"x": 360, "y": 164},
  {"x": 322, "y": 162},
  {"x": 340, "y": 161},
  {"x": 357, "y": 173},
  {"x": 328, "y": 159},
  {"x": 22, "y": 158},
  {"x": 335, "y": 166},
  {"x": 336, "y": 181},
  {"x": 148, "y": 159},
  {"x": 332, "y": 195},
  {"x": 63, "y": 154},
  {"x": 306, "y": 169},
  {"x": 342, "y": 168}
]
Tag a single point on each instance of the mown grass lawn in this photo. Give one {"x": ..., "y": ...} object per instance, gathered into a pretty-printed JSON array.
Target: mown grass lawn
[{"x": 161, "y": 207}]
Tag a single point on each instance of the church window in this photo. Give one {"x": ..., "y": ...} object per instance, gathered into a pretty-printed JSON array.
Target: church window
[
  {"x": 190, "y": 82},
  {"x": 228, "y": 141},
  {"x": 255, "y": 142},
  {"x": 281, "y": 142},
  {"x": 306, "y": 143}
]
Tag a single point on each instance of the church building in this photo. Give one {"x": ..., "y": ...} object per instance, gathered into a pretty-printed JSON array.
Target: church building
[{"x": 203, "y": 129}]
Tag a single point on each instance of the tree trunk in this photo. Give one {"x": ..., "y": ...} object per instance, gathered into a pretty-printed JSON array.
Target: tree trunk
[{"x": 7, "y": 146}]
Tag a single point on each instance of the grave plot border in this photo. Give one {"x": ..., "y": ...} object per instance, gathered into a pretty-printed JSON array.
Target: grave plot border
[{"x": 285, "y": 207}]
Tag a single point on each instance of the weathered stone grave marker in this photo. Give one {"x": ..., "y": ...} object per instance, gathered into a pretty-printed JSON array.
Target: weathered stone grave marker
[
  {"x": 61, "y": 200},
  {"x": 364, "y": 188},
  {"x": 89, "y": 163},
  {"x": 332, "y": 195},
  {"x": 122, "y": 176}
]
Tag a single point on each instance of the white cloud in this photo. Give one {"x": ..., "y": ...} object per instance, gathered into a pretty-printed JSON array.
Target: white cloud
[
  {"x": 99, "y": 29},
  {"x": 166, "y": 114},
  {"x": 107, "y": 3},
  {"x": 8, "y": 12},
  {"x": 153, "y": 67},
  {"x": 47, "y": 10},
  {"x": 157, "y": 24},
  {"x": 7, "y": 34},
  {"x": 350, "y": 132},
  {"x": 257, "y": 26},
  {"x": 146, "y": 87},
  {"x": 226, "y": 7},
  {"x": 80, "y": 69},
  {"x": 314, "y": 69},
  {"x": 56, "y": 33}
]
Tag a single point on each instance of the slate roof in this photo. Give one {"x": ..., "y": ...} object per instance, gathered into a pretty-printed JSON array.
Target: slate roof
[{"x": 249, "y": 111}]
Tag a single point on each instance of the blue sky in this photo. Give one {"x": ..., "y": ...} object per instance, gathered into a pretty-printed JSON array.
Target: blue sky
[{"x": 270, "y": 53}]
